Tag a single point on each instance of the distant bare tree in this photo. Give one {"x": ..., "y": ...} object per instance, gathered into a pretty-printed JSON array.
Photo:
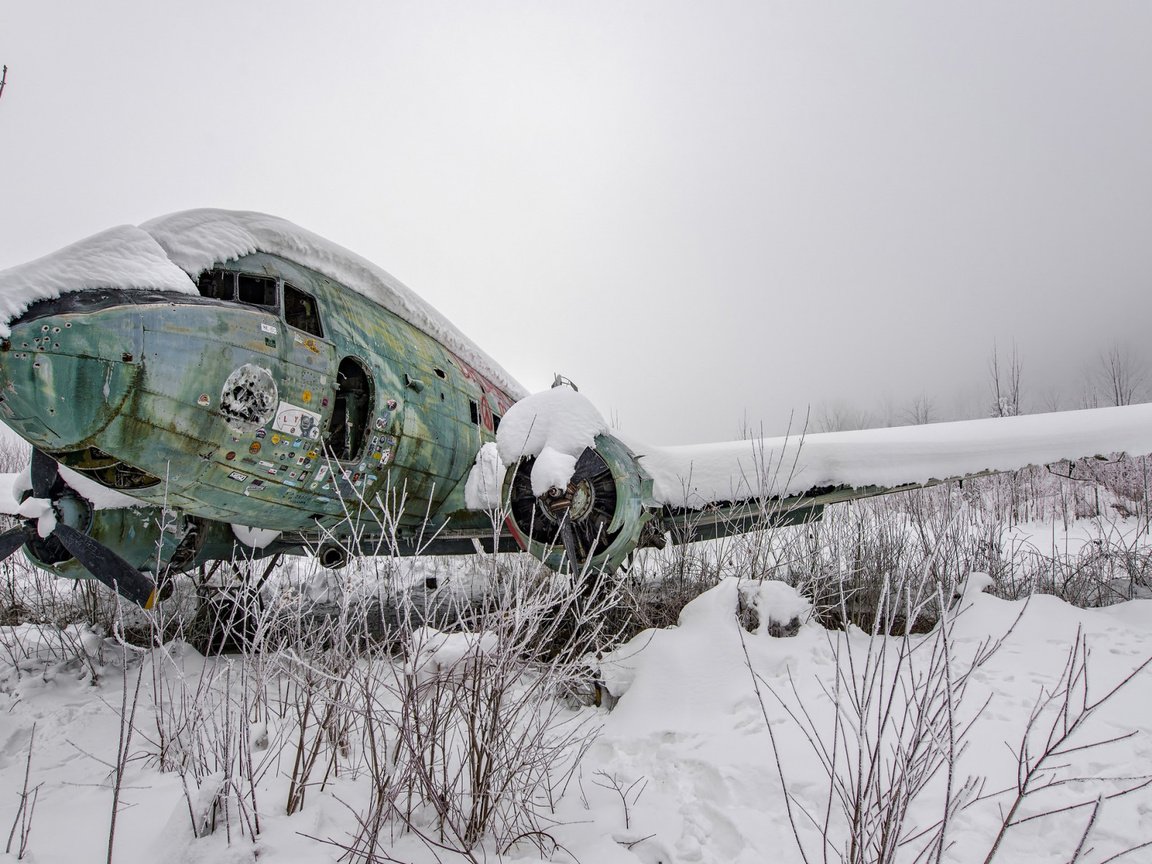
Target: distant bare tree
[
  {"x": 1005, "y": 384},
  {"x": 839, "y": 416},
  {"x": 920, "y": 410},
  {"x": 3, "y": 79},
  {"x": 1119, "y": 376},
  {"x": 1052, "y": 399}
]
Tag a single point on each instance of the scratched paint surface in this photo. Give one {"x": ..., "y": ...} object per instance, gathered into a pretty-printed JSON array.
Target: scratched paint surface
[{"x": 236, "y": 405}]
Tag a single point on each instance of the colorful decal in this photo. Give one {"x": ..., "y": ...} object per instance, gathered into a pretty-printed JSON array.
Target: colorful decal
[
  {"x": 275, "y": 438},
  {"x": 254, "y": 447},
  {"x": 307, "y": 397},
  {"x": 230, "y": 455},
  {"x": 296, "y": 421},
  {"x": 203, "y": 401},
  {"x": 322, "y": 473},
  {"x": 268, "y": 328}
]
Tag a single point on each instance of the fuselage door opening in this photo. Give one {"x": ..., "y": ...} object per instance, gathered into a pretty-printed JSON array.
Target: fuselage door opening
[{"x": 351, "y": 411}]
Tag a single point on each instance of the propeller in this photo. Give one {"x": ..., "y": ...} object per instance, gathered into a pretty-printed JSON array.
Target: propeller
[
  {"x": 56, "y": 518},
  {"x": 580, "y": 513}
]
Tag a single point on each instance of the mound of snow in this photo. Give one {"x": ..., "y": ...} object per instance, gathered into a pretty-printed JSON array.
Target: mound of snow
[{"x": 778, "y": 605}]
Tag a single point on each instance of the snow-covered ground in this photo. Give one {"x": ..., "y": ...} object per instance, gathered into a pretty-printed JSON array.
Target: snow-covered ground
[{"x": 723, "y": 743}]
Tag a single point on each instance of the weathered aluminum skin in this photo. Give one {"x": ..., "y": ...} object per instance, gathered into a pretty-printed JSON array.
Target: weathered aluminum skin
[{"x": 144, "y": 382}]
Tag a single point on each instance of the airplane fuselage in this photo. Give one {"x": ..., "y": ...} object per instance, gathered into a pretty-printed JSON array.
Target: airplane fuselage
[{"x": 277, "y": 399}]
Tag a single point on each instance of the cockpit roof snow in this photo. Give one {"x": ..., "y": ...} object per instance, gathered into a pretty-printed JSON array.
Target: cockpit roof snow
[{"x": 165, "y": 254}]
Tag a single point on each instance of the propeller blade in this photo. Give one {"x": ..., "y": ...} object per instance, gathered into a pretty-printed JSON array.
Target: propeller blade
[
  {"x": 11, "y": 540},
  {"x": 45, "y": 474},
  {"x": 568, "y": 537},
  {"x": 107, "y": 566}
]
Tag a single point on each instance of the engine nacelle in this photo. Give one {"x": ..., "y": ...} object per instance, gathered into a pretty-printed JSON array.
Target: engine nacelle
[{"x": 608, "y": 502}]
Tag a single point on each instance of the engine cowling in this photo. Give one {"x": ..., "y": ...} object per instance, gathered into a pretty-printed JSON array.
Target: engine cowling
[{"x": 603, "y": 514}]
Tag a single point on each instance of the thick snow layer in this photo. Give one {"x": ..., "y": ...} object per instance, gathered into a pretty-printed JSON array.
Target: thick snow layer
[
  {"x": 692, "y": 722},
  {"x": 446, "y": 655},
  {"x": 692, "y": 476},
  {"x": 196, "y": 239},
  {"x": 124, "y": 257},
  {"x": 485, "y": 480},
  {"x": 12, "y": 486},
  {"x": 163, "y": 253},
  {"x": 698, "y": 762},
  {"x": 776, "y": 602},
  {"x": 555, "y": 426}
]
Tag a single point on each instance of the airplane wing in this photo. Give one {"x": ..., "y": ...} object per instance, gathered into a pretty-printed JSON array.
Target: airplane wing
[{"x": 611, "y": 494}]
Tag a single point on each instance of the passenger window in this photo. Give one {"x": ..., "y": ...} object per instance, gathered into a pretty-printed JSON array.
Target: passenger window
[
  {"x": 300, "y": 311},
  {"x": 257, "y": 290},
  {"x": 217, "y": 284}
]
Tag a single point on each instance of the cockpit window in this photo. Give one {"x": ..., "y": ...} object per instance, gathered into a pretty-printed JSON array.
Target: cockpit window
[
  {"x": 257, "y": 290},
  {"x": 217, "y": 284},
  {"x": 300, "y": 311},
  {"x": 227, "y": 285}
]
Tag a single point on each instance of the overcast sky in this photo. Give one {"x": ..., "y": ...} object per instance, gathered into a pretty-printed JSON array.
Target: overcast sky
[{"x": 707, "y": 214}]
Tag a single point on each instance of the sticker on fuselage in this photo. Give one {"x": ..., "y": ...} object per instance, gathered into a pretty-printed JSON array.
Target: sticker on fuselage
[
  {"x": 295, "y": 421},
  {"x": 268, "y": 328}
]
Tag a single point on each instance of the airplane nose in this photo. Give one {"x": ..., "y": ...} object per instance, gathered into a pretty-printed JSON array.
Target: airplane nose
[{"x": 64, "y": 375}]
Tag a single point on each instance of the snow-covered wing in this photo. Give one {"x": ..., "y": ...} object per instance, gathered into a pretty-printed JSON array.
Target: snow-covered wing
[{"x": 693, "y": 476}]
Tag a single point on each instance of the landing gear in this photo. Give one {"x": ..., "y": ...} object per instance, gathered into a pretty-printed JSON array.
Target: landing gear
[{"x": 230, "y": 608}]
